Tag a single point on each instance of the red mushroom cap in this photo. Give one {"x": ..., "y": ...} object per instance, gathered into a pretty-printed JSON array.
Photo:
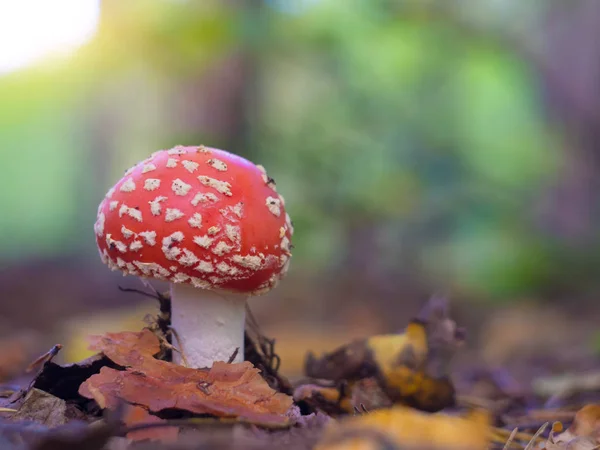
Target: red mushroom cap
[{"x": 197, "y": 215}]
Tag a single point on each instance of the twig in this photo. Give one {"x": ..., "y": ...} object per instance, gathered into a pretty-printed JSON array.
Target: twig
[
  {"x": 8, "y": 410},
  {"x": 155, "y": 295},
  {"x": 180, "y": 349},
  {"x": 46, "y": 357},
  {"x": 233, "y": 355},
  {"x": 536, "y": 436},
  {"x": 511, "y": 438}
]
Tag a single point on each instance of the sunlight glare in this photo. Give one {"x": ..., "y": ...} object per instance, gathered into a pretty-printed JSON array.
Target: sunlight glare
[{"x": 32, "y": 30}]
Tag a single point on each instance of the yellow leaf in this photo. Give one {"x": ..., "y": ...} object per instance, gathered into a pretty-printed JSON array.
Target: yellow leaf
[{"x": 401, "y": 426}]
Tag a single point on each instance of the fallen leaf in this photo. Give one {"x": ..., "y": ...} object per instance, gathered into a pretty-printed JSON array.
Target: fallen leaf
[
  {"x": 401, "y": 427},
  {"x": 583, "y": 434},
  {"x": 363, "y": 394},
  {"x": 411, "y": 368},
  {"x": 41, "y": 407},
  {"x": 225, "y": 390}
]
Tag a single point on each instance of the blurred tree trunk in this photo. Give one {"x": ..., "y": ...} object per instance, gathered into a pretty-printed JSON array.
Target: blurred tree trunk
[{"x": 570, "y": 72}]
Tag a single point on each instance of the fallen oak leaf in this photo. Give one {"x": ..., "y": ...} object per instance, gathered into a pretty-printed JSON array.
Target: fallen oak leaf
[
  {"x": 136, "y": 351},
  {"x": 225, "y": 390},
  {"x": 224, "y": 398},
  {"x": 402, "y": 427}
]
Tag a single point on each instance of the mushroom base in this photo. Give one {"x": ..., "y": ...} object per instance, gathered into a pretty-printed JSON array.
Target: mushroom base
[{"x": 209, "y": 324}]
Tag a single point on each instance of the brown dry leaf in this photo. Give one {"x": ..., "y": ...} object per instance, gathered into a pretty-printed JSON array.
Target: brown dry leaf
[
  {"x": 401, "y": 427},
  {"x": 363, "y": 394},
  {"x": 135, "y": 415},
  {"x": 583, "y": 434},
  {"x": 411, "y": 368},
  {"x": 225, "y": 390},
  {"x": 41, "y": 407}
]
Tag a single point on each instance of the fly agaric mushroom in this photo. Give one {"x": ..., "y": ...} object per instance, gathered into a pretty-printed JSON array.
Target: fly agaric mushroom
[{"x": 211, "y": 224}]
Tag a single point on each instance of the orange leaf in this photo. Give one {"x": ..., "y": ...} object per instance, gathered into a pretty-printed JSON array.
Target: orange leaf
[{"x": 225, "y": 390}]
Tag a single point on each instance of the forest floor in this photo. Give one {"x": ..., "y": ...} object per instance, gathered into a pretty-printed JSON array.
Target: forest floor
[{"x": 418, "y": 388}]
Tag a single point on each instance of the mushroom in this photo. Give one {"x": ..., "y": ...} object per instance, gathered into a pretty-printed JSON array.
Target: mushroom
[{"x": 212, "y": 224}]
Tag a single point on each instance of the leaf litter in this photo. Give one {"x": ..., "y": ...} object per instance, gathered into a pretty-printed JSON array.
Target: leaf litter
[{"x": 384, "y": 392}]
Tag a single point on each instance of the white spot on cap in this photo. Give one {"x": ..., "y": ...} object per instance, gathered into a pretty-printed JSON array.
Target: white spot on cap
[
  {"x": 126, "y": 232},
  {"x": 281, "y": 199},
  {"x": 225, "y": 268},
  {"x": 204, "y": 198},
  {"x": 220, "y": 186},
  {"x": 188, "y": 258},
  {"x": 233, "y": 233},
  {"x": 149, "y": 237},
  {"x": 173, "y": 268},
  {"x": 112, "y": 243},
  {"x": 285, "y": 244},
  {"x": 205, "y": 266},
  {"x": 127, "y": 186},
  {"x": 135, "y": 246},
  {"x": 171, "y": 163},
  {"x": 168, "y": 245},
  {"x": 213, "y": 230},
  {"x": 190, "y": 166},
  {"x": 195, "y": 221},
  {"x": 180, "y": 278},
  {"x": 180, "y": 187},
  {"x": 200, "y": 283},
  {"x": 130, "y": 170},
  {"x": 288, "y": 222},
  {"x": 252, "y": 262},
  {"x": 285, "y": 266},
  {"x": 238, "y": 209},
  {"x": 152, "y": 269},
  {"x": 261, "y": 168},
  {"x": 203, "y": 241},
  {"x": 99, "y": 225},
  {"x": 177, "y": 150},
  {"x": 173, "y": 214},
  {"x": 148, "y": 168},
  {"x": 155, "y": 205},
  {"x": 113, "y": 205},
  {"x": 110, "y": 192},
  {"x": 151, "y": 184},
  {"x": 202, "y": 149},
  {"x": 217, "y": 164},
  {"x": 221, "y": 248},
  {"x": 121, "y": 263},
  {"x": 274, "y": 205},
  {"x": 131, "y": 212}
]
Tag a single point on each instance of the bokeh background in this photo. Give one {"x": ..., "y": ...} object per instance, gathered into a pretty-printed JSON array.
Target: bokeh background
[{"x": 422, "y": 147}]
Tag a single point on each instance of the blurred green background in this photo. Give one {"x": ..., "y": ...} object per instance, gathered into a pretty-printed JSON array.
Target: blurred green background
[{"x": 421, "y": 146}]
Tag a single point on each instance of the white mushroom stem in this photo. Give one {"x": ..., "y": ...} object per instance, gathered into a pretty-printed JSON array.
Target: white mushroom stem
[{"x": 209, "y": 325}]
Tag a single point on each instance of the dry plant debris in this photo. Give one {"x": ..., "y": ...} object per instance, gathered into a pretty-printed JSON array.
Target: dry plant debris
[
  {"x": 225, "y": 390},
  {"x": 583, "y": 434},
  {"x": 409, "y": 368}
]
